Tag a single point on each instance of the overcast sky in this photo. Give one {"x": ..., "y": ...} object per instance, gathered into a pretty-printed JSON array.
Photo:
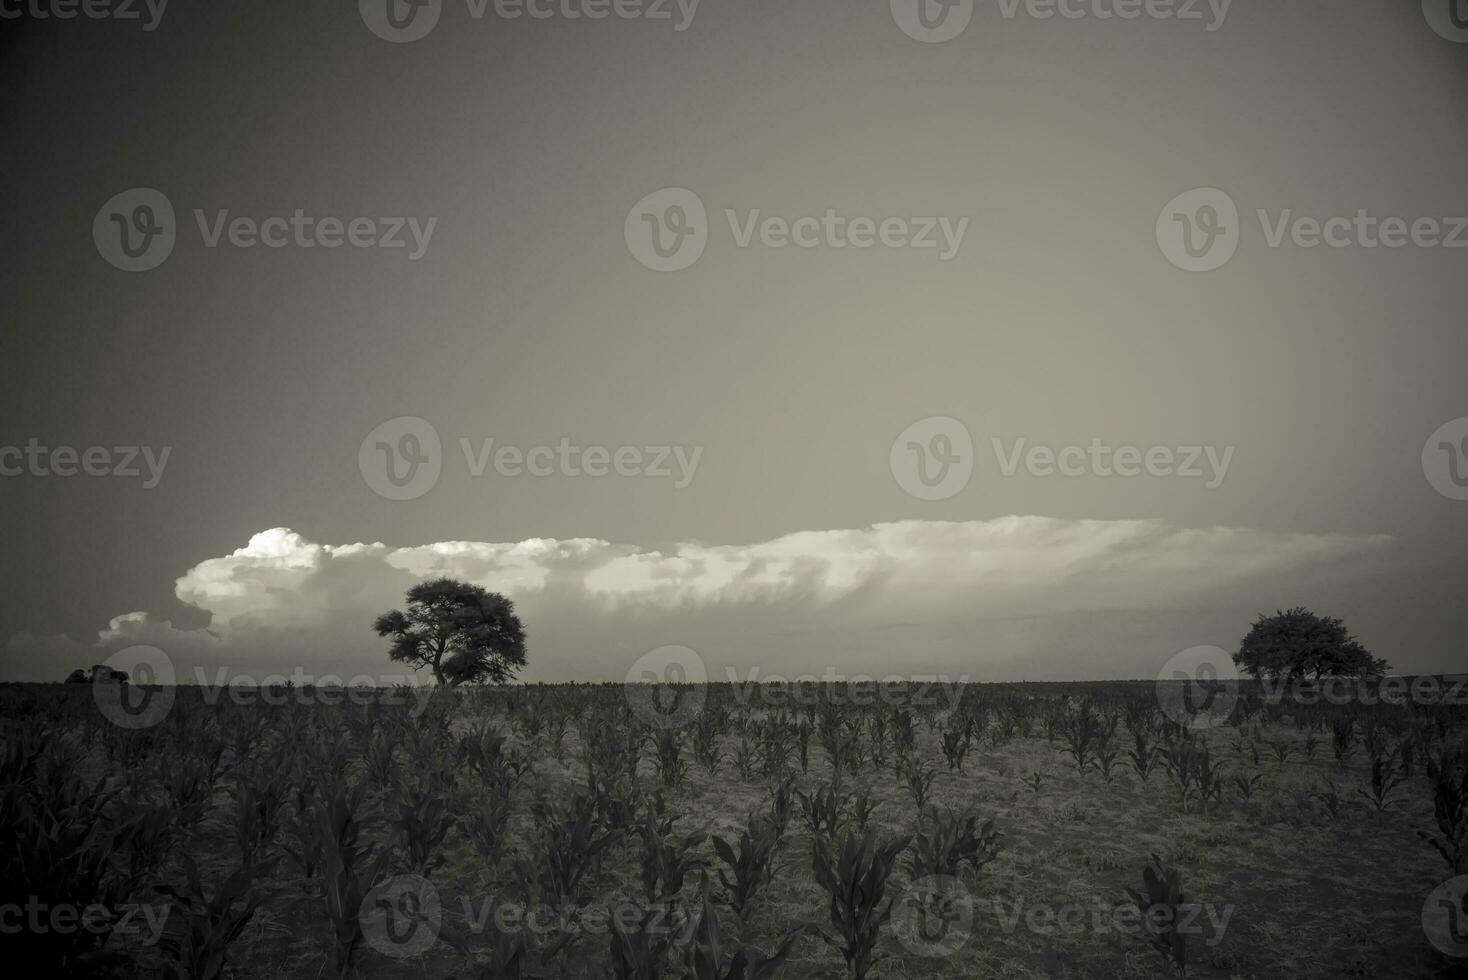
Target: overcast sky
[{"x": 786, "y": 537}]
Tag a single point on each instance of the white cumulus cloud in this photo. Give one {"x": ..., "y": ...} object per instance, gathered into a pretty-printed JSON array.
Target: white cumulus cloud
[{"x": 947, "y": 589}]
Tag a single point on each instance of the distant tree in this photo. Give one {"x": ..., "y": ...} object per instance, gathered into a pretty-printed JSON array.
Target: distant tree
[
  {"x": 100, "y": 673},
  {"x": 1298, "y": 645},
  {"x": 465, "y": 634}
]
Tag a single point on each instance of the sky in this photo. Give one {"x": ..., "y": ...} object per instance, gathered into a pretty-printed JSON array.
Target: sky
[{"x": 755, "y": 410}]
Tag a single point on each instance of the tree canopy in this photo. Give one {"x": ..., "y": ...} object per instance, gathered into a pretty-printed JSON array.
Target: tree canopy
[
  {"x": 464, "y": 633},
  {"x": 1299, "y": 645}
]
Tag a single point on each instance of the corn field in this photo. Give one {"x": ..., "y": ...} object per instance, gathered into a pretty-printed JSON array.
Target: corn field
[{"x": 1023, "y": 830}]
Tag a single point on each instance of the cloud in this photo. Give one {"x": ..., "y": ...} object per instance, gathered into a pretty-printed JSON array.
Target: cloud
[{"x": 801, "y": 598}]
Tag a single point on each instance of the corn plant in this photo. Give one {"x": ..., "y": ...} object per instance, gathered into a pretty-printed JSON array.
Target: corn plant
[
  {"x": 918, "y": 779},
  {"x": 706, "y": 745},
  {"x": 824, "y": 809},
  {"x": 484, "y": 822},
  {"x": 1246, "y": 786},
  {"x": 672, "y": 767},
  {"x": 1082, "y": 733},
  {"x": 501, "y": 957},
  {"x": 1331, "y": 799},
  {"x": 862, "y": 807},
  {"x": 776, "y": 748},
  {"x": 1385, "y": 777},
  {"x": 1179, "y": 760},
  {"x": 782, "y": 805},
  {"x": 956, "y": 745},
  {"x": 1343, "y": 740},
  {"x": 259, "y": 793},
  {"x": 1144, "y": 756},
  {"x": 952, "y": 841},
  {"x": 423, "y": 820},
  {"x": 713, "y": 957},
  {"x": 379, "y": 762},
  {"x": 1449, "y": 775},
  {"x": 829, "y": 734},
  {"x": 201, "y": 926},
  {"x": 58, "y": 852},
  {"x": 1106, "y": 756},
  {"x": 569, "y": 848},
  {"x": 1160, "y": 904},
  {"x": 1312, "y": 746},
  {"x": 745, "y": 759},
  {"x": 666, "y": 859},
  {"x": 749, "y": 865},
  {"x": 802, "y": 743},
  {"x": 349, "y": 868},
  {"x": 1282, "y": 750},
  {"x": 854, "y": 874},
  {"x": 904, "y": 737},
  {"x": 640, "y": 949}
]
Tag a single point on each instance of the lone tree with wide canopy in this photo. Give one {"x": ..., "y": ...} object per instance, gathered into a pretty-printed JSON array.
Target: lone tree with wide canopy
[
  {"x": 466, "y": 634},
  {"x": 1298, "y": 645}
]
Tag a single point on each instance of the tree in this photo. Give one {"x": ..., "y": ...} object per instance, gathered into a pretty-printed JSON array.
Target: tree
[
  {"x": 464, "y": 633},
  {"x": 1297, "y": 644},
  {"x": 99, "y": 674}
]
